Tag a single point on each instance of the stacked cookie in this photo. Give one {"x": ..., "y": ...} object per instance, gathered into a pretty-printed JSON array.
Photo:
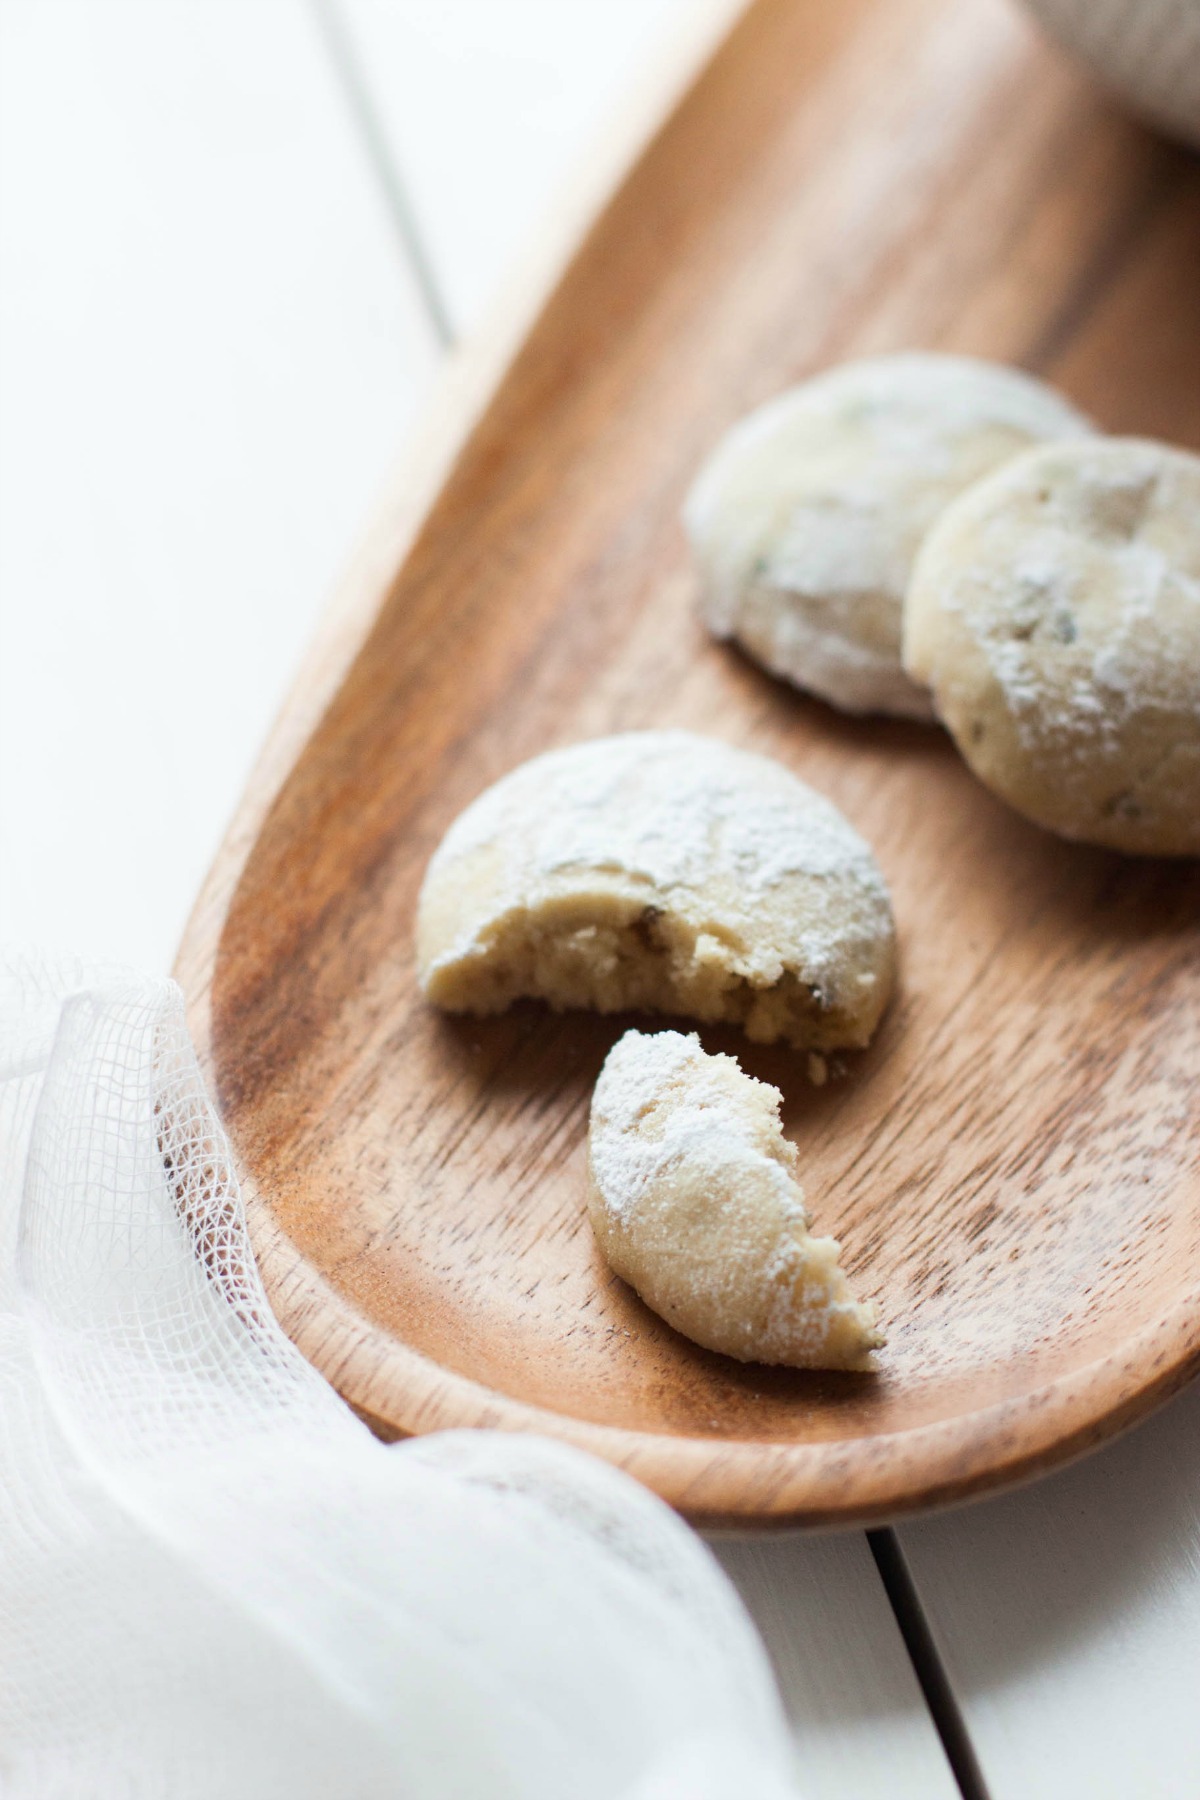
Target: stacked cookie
[{"x": 935, "y": 536}]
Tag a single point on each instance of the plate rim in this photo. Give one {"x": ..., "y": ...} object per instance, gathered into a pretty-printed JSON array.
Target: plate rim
[{"x": 965, "y": 1455}]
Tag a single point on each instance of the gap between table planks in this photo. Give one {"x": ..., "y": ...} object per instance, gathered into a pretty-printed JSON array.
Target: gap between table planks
[{"x": 1067, "y": 1619}]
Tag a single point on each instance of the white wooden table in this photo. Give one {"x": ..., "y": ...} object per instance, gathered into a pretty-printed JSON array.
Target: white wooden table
[{"x": 237, "y": 238}]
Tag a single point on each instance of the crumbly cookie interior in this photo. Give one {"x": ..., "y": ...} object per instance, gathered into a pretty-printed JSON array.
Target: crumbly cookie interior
[
  {"x": 573, "y": 956},
  {"x": 662, "y": 872}
]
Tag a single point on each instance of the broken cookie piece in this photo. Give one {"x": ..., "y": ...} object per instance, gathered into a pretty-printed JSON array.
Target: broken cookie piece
[
  {"x": 694, "y": 1201},
  {"x": 667, "y": 872}
]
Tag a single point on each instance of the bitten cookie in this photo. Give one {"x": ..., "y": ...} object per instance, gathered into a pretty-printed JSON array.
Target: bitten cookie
[
  {"x": 807, "y": 516},
  {"x": 694, "y": 1201},
  {"x": 1055, "y": 614},
  {"x": 664, "y": 871}
]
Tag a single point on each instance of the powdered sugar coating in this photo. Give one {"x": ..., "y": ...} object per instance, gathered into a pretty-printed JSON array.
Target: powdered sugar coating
[
  {"x": 694, "y": 1201},
  {"x": 661, "y": 869},
  {"x": 703, "y": 1127},
  {"x": 806, "y": 518},
  {"x": 1055, "y": 612}
]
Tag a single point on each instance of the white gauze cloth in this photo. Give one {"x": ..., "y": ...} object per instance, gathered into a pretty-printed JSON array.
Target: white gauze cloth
[{"x": 215, "y": 1582}]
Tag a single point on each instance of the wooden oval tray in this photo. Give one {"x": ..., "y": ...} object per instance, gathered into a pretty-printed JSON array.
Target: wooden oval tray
[{"x": 1012, "y": 1168}]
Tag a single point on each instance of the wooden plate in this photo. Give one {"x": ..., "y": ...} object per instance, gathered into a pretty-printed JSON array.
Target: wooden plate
[{"x": 1013, "y": 1166}]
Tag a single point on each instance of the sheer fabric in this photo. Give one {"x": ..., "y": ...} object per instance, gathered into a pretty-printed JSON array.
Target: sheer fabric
[{"x": 215, "y": 1581}]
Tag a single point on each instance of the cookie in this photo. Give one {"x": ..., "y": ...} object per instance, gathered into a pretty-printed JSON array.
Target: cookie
[
  {"x": 661, "y": 871},
  {"x": 693, "y": 1197},
  {"x": 806, "y": 518},
  {"x": 1055, "y": 614}
]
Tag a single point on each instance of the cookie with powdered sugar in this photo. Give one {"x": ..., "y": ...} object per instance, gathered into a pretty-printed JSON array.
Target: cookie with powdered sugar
[
  {"x": 1055, "y": 614},
  {"x": 806, "y": 518},
  {"x": 693, "y": 1197},
  {"x": 661, "y": 871}
]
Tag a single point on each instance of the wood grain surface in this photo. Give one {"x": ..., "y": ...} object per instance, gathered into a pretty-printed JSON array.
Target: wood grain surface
[{"x": 1012, "y": 1166}]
